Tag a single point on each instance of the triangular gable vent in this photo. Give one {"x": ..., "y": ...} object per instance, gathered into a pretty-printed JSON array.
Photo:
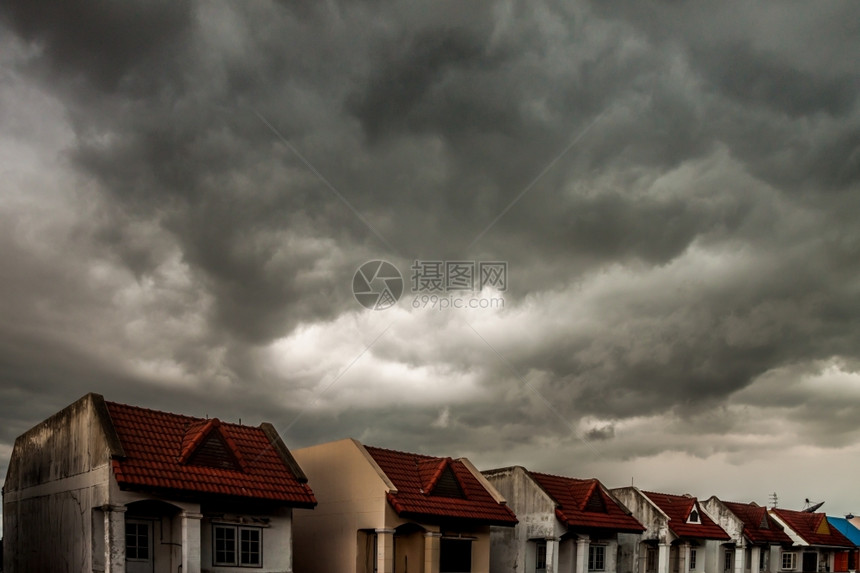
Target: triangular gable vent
[
  {"x": 595, "y": 502},
  {"x": 694, "y": 516},
  {"x": 823, "y": 528},
  {"x": 447, "y": 485},
  {"x": 210, "y": 447},
  {"x": 764, "y": 524}
]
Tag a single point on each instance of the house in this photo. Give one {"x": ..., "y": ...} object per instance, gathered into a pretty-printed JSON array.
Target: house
[
  {"x": 565, "y": 524},
  {"x": 386, "y": 511},
  {"x": 816, "y": 546},
  {"x": 754, "y": 533},
  {"x": 102, "y": 486},
  {"x": 846, "y": 526},
  {"x": 677, "y": 529}
]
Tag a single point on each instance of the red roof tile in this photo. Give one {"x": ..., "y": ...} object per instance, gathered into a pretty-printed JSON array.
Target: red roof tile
[
  {"x": 678, "y": 508},
  {"x": 411, "y": 474},
  {"x": 572, "y": 496},
  {"x": 157, "y": 446},
  {"x": 752, "y": 516},
  {"x": 810, "y": 528}
]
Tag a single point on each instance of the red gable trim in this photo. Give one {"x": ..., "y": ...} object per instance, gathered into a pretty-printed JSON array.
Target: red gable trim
[{"x": 197, "y": 434}]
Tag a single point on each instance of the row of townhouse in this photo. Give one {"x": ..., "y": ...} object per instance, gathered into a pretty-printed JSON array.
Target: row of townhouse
[{"x": 108, "y": 487}]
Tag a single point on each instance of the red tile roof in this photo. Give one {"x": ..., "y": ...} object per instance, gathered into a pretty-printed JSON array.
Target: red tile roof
[
  {"x": 157, "y": 446},
  {"x": 411, "y": 474},
  {"x": 572, "y": 496},
  {"x": 752, "y": 516},
  {"x": 678, "y": 508},
  {"x": 810, "y": 528}
]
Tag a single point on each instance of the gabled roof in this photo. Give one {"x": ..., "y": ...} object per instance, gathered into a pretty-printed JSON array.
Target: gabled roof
[
  {"x": 678, "y": 508},
  {"x": 759, "y": 527},
  {"x": 812, "y": 528},
  {"x": 846, "y": 528},
  {"x": 173, "y": 453},
  {"x": 415, "y": 475},
  {"x": 584, "y": 504}
]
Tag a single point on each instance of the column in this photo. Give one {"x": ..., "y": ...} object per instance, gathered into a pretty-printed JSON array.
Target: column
[
  {"x": 432, "y": 543},
  {"x": 684, "y": 558},
  {"x": 114, "y": 538},
  {"x": 755, "y": 558},
  {"x": 582, "y": 544},
  {"x": 663, "y": 558},
  {"x": 552, "y": 554},
  {"x": 740, "y": 553},
  {"x": 191, "y": 542},
  {"x": 385, "y": 550}
]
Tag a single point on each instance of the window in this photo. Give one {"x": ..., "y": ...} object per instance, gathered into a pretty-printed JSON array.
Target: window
[
  {"x": 729, "y": 557},
  {"x": 762, "y": 559},
  {"x": 237, "y": 546},
  {"x": 694, "y": 517},
  {"x": 540, "y": 556},
  {"x": 651, "y": 559},
  {"x": 596, "y": 557},
  {"x": 692, "y": 559},
  {"x": 789, "y": 560},
  {"x": 137, "y": 540}
]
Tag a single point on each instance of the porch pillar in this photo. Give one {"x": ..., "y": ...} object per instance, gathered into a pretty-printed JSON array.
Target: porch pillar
[
  {"x": 582, "y": 544},
  {"x": 663, "y": 558},
  {"x": 191, "y": 542},
  {"x": 114, "y": 538},
  {"x": 740, "y": 553},
  {"x": 684, "y": 558},
  {"x": 385, "y": 550},
  {"x": 552, "y": 554},
  {"x": 755, "y": 558},
  {"x": 432, "y": 543}
]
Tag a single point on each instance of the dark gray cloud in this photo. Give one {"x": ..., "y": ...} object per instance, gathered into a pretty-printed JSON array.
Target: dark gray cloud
[{"x": 682, "y": 266}]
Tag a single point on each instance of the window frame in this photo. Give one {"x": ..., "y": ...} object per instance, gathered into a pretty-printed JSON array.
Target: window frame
[
  {"x": 147, "y": 527},
  {"x": 594, "y": 555},
  {"x": 792, "y": 555},
  {"x": 237, "y": 541},
  {"x": 651, "y": 559},
  {"x": 692, "y": 566},
  {"x": 729, "y": 560},
  {"x": 540, "y": 555}
]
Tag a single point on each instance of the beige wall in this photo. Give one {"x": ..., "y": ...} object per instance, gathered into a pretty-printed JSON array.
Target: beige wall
[{"x": 351, "y": 494}]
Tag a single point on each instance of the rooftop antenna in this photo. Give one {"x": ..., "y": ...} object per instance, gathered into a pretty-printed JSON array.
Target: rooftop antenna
[{"x": 774, "y": 500}]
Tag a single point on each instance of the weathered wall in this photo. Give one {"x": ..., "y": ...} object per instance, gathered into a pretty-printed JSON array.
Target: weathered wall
[
  {"x": 58, "y": 473},
  {"x": 535, "y": 510},
  {"x": 631, "y": 553}
]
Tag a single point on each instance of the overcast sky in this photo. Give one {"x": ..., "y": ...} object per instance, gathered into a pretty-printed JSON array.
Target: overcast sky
[{"x": 189, "y": 189}]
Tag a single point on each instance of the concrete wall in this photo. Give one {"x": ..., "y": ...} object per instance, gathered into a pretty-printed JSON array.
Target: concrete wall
[
  {"x": 58, "y": 473},
  {"x": 535, "y": 510},
  {"x": 632, "y": 547}
]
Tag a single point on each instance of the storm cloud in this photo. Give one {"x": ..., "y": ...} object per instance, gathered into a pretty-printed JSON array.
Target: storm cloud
[{"x": 188, "y": 189}]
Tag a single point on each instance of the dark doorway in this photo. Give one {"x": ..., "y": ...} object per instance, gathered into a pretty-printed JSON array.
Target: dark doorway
[
  {"x": 810, "y": 562},
  {"x": 455, "y": 556}
]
